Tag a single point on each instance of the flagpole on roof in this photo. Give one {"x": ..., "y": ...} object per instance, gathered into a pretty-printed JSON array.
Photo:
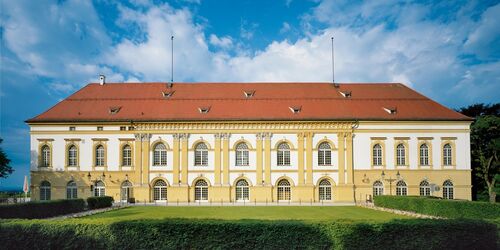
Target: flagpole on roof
[
  {"x": 172, "y": 63},
  {"x": 333, "y": 64}
]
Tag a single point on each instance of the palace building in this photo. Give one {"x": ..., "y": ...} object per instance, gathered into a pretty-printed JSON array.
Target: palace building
[{"x": 249, "y": 142}]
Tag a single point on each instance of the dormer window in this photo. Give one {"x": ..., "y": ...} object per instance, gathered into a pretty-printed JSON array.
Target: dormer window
[
  {"x": 114, "y": 110},
  {"x": 296, "y": 109},
  {"x": 345, "y": 94},
  {"x": 167, "y": 94},
  {"x": 391, "y": 110},
  {"x": 204, "y": 110},
  {"x": 249, "y": 93}
]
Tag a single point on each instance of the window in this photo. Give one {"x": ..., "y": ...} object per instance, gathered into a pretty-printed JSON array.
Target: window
[
  {"x": 447, "y": 155},
  {"x": 160, "y": 190},
  {"x": 131, "y": 128},
  {"x": 71, "y": 190},
  {"x": 401, "y": 188},
  {"x": 99, "y": 189},
  {"x": 295, "y": 109},
  {"x": 400, "y": 155},
  {"x": 325, "y": 190},
  {"x": 378, "y": 188},
  {"x": 448, "y": 189},
  {"x": 201, "y": 155},
  {"x": 425, "y": 188},
  {"x": 45, "y": 156},
  {"x": 160, "y": 155},
  {"x": 242, "y": 154},
  {"x": 72, "y": 128},
  {"x": 242, "y": 190},
  {"x": 377, "y": 155},
  {"x": 99, "y": 128},
  {"x": 284, "y": 190},
  {"x": 201, "y": 191},
  {"x": 324, "y": 154},
  {"x": 99, "y": 156},
  {"x": 45, "y": 191},
  {"x": 126, "y": 191},
  {"x": 424, "y": 155},
  {"x": 283, "y": 154},
  {"x": 127, "y": 155},
  {"x": 123, "y": 128},
  {"x": 72, "y": 156}
]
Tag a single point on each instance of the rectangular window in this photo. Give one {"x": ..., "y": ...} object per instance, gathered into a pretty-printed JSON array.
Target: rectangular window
[
  {"x": 99, "y": 128},
  {"x": 72, "y": 128},
  {"x": 122, "y": 128}
]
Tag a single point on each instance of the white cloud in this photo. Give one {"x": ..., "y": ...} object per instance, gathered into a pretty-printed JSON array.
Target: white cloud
[
  {"x": 285, "y": 28},
  {"x": 224, "y": 42}
]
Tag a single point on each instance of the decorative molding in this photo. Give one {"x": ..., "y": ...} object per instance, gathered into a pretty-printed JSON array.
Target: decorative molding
[
  {"x": 72, "y": 139},
  {"x": 126, "y": 139},
  {"x": 43, "y": 140},
  {"x": 378, "y": 138},
  {"x": 425, "y": 138},
  {"x": 401, "y": 138},
  {"x": 142, "y": 137},
  {"x": 100, "y": 139},
  {"x": 246, "y": 126},
  {"x": 448, "y": 138}
]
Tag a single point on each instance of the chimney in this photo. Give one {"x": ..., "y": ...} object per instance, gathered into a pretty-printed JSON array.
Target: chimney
[{"x": 102, "y": 79}]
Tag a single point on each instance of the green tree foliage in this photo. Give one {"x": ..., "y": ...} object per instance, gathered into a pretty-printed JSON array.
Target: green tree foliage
[{"x": 5, "y": 168}]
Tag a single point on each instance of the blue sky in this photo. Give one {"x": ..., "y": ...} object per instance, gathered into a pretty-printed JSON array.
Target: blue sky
[{"x": 449, "y": 50}]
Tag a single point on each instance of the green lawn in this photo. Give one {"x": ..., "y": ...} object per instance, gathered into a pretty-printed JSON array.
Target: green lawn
[{"x": 237, "y": 213}]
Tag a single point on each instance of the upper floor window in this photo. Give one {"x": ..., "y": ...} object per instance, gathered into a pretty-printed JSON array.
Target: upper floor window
[
  {"x": 126, "y": 155},
  {"x": 242, "y": 154},
  {"x": 324, "y": 154},
  {"x": 99, "y": 156},
  {"x": 72, "y": 156},
  {"x": 377, "y": 155},
  {"x": 160, "y": 155},
  {"x": 283, "y": 154},
  {"x": 72, "y": 128},
  {"x": 447, "y": 155},
  {"x": 424, "y": 155},
  {"x": 45, "y": 160},
  {"x": 201, "y": 154},
  {"x": 400, "y": 155}
]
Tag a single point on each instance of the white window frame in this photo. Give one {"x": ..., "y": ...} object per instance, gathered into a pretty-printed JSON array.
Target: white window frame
[
  {"x": 242, "y": 155},
  {"x": 324, "y": 154},
  {"x": 377, "y": 154},
  {"x": 72, "y": 156},
  {"x": 284, "y": 190},
  {"x": 126, "y": 191},
  {"x": 425, "y": 188},
  {"x": 126, "y": 155},
  {"x": 201, "y": 154},
  {"x": 45, "y": 191},
  {"x": 325, "y": 190},
  {"x": 401, "y": 155},
  {"x": 283, "y": 154},
  {"x": 401, "y": 188},
  {"x": 447, "y": 155},
  {"x": 45, "y": 156},
  {"x": 242, "y": 190},
  {"x": 378, "y": 188},
  {"x": 100, "y": 155},
  {"x": 99, "y": 190},
  {"x": 424, "y": 155},
  {"x": 201, "y": 190},
  {"x": 160, "y": 155},
  {"x": 71, "y": 190},
  {"x": 448, "y": 190},
  {"x": 160, "y": 190}
]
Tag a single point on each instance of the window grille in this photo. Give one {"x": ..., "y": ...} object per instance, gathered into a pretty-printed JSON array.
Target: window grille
[
  {"x": 284, "y": 190},
  {"x": 400, "y": 155},
  {"x": 325, "y": 190},
  {"x": 447, "y": 155},
  {"x": 160, "y": 155},
  {"x": 424, "y": 155},
  {"x": 448, "y": 189},
  {"x": 45, "y": 191},
  {"x": 201, "y": 191},
  {"x": 401, "y": 188},
  {"x": 242, "y": 190},
  {"x": 283, "y": 154},
  {"x": 377, "y": 155},
  {"x": 378, "y": 188},
  {"x": 324, "y": 154},
  {"x": 425, "y": 188},
  {"x": 160, "y": 190},
  {"x": 71, "y": 190},
  {"x": 242, "y": 158},
  {"x": 72, "y": 156},
  {"x": 201, "y": 155}
]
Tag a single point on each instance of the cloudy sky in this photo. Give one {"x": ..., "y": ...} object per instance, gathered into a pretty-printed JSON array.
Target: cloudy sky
[{"x": 449, "y": 50}]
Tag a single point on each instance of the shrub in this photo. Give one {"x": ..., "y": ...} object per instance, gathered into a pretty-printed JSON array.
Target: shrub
[
  {"x": 35, "y": 210},
  {"x": 440, "y": 207},
  {"x": 100, "y": 202},
  {"x": 220, "y": 234}
]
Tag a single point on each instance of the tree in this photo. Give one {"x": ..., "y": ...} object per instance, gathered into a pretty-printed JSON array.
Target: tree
[
  {"x": 485, "y": 149},
  {"x": 5, "y": 168}
]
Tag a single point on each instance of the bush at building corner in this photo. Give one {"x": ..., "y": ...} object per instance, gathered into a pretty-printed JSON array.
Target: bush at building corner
[
  {"x": 99, "y": 202},
  {"x": 38, "y": 210}
]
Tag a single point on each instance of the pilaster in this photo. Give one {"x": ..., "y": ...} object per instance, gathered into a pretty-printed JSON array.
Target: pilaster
[
  {"x": 176, "y": 166},
  {"x": 225, "y": 160},
  {"x": 300, "y": 158},
  {"x": 259, "y": 137},
  {"x": 309, "y": 158},
  {"x": 217, "y": 157},
  {"x": 184, "y": 153},
  {"x": 349, "y": 158},
  {"x": 267, "y": 150},
  {"x": 341, "y": 158}
]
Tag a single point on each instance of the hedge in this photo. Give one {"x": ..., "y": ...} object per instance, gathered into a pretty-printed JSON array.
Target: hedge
[
  {"x": 36, "y": 210},
  {"x": 440, "y": 207},
  {"x": 99, "y": 202},
  {"x": 209, "y": 234}
]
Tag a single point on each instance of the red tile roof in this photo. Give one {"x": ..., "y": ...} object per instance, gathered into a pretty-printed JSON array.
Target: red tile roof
[{"x": 227, "y": 101}]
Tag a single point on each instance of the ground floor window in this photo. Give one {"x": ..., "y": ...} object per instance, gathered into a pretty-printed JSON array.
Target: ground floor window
[
  {"x": 284, "y": 190},
  {"x": 325, "y": 190},
  {"x": 126, "y": 191},
  {"x": 71, "y": 190},
  {"x": 160, "y": 190},
  {"x": 448, "y": 189},
  {"x": 425, "y": 188},
  {"x": 201, "y": 191},
  {"x": 45, "y": 191},
  {"x": 378, "y": 188},
  {"x": 401, "y": 188},
  {"x": 242, "y": 191},
  {"x": 99, "y": 189}
]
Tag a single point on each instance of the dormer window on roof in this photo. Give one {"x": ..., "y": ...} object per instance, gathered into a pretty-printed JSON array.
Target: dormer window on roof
[
  {"x": 296, "y": 109},
  {"x": 204, "y": 110},
  {"x": 345, "y": 94},
  {"x": 249, "y": 93},
  {"x": 391, "y": 110},
  {"x": 114, "y": 110},
  {"x": 167, "y": 94}
]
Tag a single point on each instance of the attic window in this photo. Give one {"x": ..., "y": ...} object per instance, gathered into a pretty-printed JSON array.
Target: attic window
[
  {"x": 167, "y": 94},
  {"x": 392, "y": 110},
  {"x": 346, "y": 94},
  {"x": 114, "y": 110},
  {"x": 296, "y": 109},
  {"x": 204, "y": 110},
  {"x": 249, "y": 93}
]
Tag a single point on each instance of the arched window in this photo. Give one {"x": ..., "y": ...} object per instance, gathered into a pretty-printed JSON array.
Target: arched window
[
  {"x": 284, "y": 190},
  {"x": 324, "y": 154},
  {"x": 45, "y": 156},
  {"x": 99, "y": 156},
  {"x": 424, "y": 155},
  {"x": 126, "y": 191},
  {"x": 99, "y": 189},
  {"x": 448, "y": 189},
  {"x": 45, "y": 191},
  {"x": 201, "y": 155},
  {"x": 401, "y": 188},
  {"x": 400, "y": 155},
  {"x": 71, "y": 190},
  {"x": 325, "y": 190},
  {"x": 425, "y": 188},
  {"x": 242, "y": 190},
  {"x": 160, "y": 190},
  {"x": 283, "y": 154},
  {"x": 160, "y": 155},
  {"x": 377, "y": 155},
  {"x": 447, "y": 155},
  {"x": 378, "y": 188},
  {"x": 201, "y": 191},
  {"x": 127, "y": 155},
  {"x": 242, "y": 154},
  {"x": 72, "y": 156}
]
